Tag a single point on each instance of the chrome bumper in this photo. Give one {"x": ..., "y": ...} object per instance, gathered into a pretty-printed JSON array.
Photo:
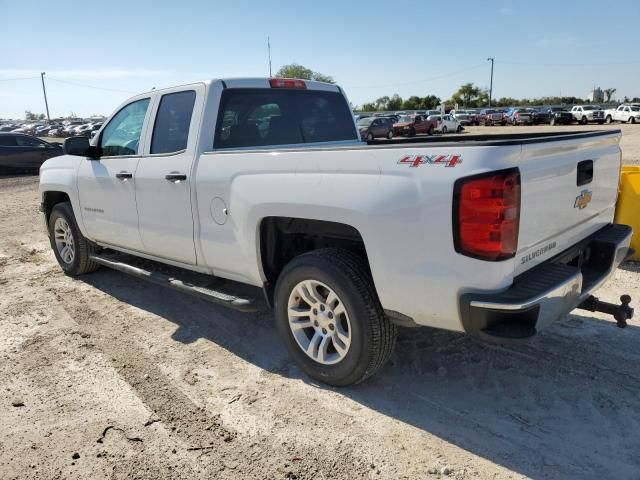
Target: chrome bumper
[{"x": 549, "y": 291}]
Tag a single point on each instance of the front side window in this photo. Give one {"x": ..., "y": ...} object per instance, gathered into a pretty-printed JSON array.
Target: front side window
[
  {"x": 260, "y": 117},
  {"x": 121, "y": 136},
  {"x": 171, "y": 130},
  {"x": 29, "y": 142}
]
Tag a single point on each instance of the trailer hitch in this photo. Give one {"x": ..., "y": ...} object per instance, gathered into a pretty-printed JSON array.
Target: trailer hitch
[{"x": 621, "y": 313}]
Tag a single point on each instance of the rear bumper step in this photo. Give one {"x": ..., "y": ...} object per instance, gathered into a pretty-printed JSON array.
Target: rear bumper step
[
  {"x": 551, "y": 290},
  {"x": 199, "y": 287}
]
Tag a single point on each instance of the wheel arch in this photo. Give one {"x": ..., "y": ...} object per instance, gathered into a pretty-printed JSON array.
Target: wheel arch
[{"x": 282, "y": 238}]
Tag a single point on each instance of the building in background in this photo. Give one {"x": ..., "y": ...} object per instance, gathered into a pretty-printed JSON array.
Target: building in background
[{"x": 596, "y": 95}]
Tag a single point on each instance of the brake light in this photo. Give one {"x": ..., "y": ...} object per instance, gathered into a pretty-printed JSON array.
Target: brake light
[
  {"x": 287, "y": 83},
  {"x": 486, "y": 215}
]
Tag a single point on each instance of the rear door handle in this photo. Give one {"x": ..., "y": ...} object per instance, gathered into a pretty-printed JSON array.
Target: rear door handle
[
  {"x": 175, "y": 177},
  {"x": 124, "y": 175}
]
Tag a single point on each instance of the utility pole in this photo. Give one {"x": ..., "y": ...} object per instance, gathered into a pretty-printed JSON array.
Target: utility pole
[
  {"x": 269, "y": 50},
  {"x": 44, "y": 91},
  {"x": 491, "y": 59}
]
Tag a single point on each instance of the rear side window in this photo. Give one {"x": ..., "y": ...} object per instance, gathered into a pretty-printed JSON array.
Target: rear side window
[
  {"x": 7, "y": 141},
  {"x": 28, "y": 141},
  {"x": 260, "y": 117},
  {"x": 171, "y": 129}
]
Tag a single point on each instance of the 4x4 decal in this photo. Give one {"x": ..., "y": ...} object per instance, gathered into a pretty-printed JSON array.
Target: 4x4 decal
[{"x": 417, "y": 160}]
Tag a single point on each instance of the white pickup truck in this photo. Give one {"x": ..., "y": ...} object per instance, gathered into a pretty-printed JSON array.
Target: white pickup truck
[
  {"x": 624, "y": 113},
  {"x": 264, "y": 182},
  {"x": 588, "y": 114}
]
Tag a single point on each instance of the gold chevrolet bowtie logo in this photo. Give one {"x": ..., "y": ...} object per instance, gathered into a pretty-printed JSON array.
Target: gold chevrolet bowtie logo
[{"x": 583, "y": 199}]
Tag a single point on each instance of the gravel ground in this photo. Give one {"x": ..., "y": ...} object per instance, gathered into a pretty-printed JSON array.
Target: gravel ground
[{"x": 107, "y": 377}]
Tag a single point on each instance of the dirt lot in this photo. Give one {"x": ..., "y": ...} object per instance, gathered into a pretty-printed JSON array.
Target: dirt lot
[{"x": 107, "y": 377}]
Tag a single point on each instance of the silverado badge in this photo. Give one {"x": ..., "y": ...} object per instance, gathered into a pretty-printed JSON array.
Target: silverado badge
[{"x": 583, "y": 199}]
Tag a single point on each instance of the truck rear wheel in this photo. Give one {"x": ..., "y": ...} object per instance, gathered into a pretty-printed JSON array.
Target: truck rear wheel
[
  {"x": 71, "y": 249},
  {"x": 329, "y": 316},
  {"x": 584, "y": 120}
]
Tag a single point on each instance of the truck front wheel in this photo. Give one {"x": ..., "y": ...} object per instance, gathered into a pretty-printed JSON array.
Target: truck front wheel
[
  {"x": 71, "y": 249},
  {"x": 329, "y": 316}
]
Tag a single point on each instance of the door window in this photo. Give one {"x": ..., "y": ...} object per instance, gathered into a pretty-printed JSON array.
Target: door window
[
  {"x": 8, "y": 140},
  {"x": 171, "y": 129},
  {"x": 29, "y": 142},
  {"x": 121, "y": 136}
]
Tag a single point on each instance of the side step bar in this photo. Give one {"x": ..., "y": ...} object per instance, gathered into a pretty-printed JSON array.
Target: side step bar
[{"x": 159, "y": 278}]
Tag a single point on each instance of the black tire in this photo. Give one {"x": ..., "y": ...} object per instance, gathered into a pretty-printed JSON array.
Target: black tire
[
  {"x": 609, "y": 119},
  {"x": 373, "y": 335},
  {"x": 390, "y": 134},
  {"x": 552, "y": 122},
  {"x": 444, "y": 130},
  {"x": 370, "y": 137},
  {"x": 584, "y": 120},
  {"x": 430, "y": 131},
  {"x": 81, "y": 263},
  {"x": 459, "y": 129},
  {"x": 412, "y": 132},
  {"x": 632, "y": 120}
]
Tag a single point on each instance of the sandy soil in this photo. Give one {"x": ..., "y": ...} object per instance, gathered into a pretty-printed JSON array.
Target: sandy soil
[{"x": 105, "y": 377}]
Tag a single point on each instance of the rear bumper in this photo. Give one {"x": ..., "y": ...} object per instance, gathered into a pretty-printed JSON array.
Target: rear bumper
[{"x": 549, "y": 291}]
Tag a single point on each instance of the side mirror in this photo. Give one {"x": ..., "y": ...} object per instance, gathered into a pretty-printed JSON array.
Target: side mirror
[{"x": 80, "y": 146}]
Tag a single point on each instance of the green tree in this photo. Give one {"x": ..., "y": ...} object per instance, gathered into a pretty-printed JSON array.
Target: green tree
[
  {"x": 412, "y": 103},
  {"x": 609, "y": 93},
  {"x": 368, "y": 107},
  {"x": 468, "y": 95},
  {"x": 430, "y": 102},
  {"x": 29, "y": 115},
  {"x": 295, "y": 70},
  {"x": 395, "y": 102}
]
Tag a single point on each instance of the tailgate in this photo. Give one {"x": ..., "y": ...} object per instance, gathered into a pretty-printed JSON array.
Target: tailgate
[{"x": 569, "y": 190}]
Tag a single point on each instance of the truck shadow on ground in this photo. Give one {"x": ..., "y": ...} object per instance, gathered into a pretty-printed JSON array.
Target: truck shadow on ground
[{"x": 564, "y": 405}]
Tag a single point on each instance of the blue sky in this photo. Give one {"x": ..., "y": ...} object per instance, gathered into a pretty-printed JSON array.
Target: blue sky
[{"x": 369, "y": 47}]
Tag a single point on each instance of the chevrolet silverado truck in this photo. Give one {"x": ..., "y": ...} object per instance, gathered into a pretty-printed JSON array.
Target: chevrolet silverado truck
[
  {"x": 235, "y": 189},
  {"x": 588, "y": 113},
  {"x": 624, "y": 113}
]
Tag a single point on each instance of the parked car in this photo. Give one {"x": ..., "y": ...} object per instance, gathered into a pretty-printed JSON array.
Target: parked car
[
  {"x": 465, "y": 117},
  {"x": 24, "y": 153},
  {"x": 557, "y": 116},
  {"x": 446, "y": 124},
  {"x": 375, "y": 127},
  {"x": 490, "y": 116},
  {"x": 410, "y": 125},
  {"x": 624, "y": 113},
  {"x": 343, "y": 239},
  {"x": 588, "y": 113},
  {"x": 520, "y": 116},
  {"x": 56, "y": 132}
]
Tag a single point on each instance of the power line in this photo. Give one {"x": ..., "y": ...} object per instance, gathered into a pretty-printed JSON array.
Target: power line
[
  {"x": 19, "y": 78},
  {"x": 89, "y": 86},
  {"x": 508, "y": 62},
  {"x": 424, "y": 80}
]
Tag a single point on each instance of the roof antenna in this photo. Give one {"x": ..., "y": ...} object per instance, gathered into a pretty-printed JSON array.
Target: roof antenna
[{"x": 269, "y": 50}]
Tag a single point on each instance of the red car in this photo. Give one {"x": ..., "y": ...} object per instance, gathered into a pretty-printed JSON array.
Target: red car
[{"x": 409, "y": 125}]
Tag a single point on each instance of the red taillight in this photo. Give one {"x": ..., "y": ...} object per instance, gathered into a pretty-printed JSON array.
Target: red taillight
[
  {"x": 286, "y": 83},
  {"x": 486, "y": 215}
]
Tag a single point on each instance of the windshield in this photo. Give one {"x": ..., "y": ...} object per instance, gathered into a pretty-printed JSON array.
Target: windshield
[
  {"x": 589, "y": 107},
  {"x": 405, "y": 118},
  {"x": 365, "y": 122}
]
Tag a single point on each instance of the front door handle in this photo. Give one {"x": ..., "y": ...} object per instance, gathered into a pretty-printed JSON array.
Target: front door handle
[
  {"x": 175, "y": 177},
  {"x": 124, "y": 175}
]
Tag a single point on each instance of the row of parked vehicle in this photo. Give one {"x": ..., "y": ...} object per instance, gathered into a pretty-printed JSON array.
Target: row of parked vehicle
[
  {"x": 404, "y": 124},
  {"x": 432, "y": 121},
  {"x": 67, "y": 128}
]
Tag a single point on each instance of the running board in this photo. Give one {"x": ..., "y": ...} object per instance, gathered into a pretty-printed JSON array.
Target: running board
[{"x": 197, "y": 288}]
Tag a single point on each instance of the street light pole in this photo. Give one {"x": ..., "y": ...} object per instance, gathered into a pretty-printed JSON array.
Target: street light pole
[
  {"x": 491, "y": 59},
  {"x": 44, "y": 91}
]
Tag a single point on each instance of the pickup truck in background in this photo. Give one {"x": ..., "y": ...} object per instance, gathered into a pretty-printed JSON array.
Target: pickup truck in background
[
  {"x": 410, "y": 125},
  {"x": 232, "y": 189},
  {"x": 588, "y": 114},
  {"x": 489, "y": 117},
  {"x": 624, "y": 113}
]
